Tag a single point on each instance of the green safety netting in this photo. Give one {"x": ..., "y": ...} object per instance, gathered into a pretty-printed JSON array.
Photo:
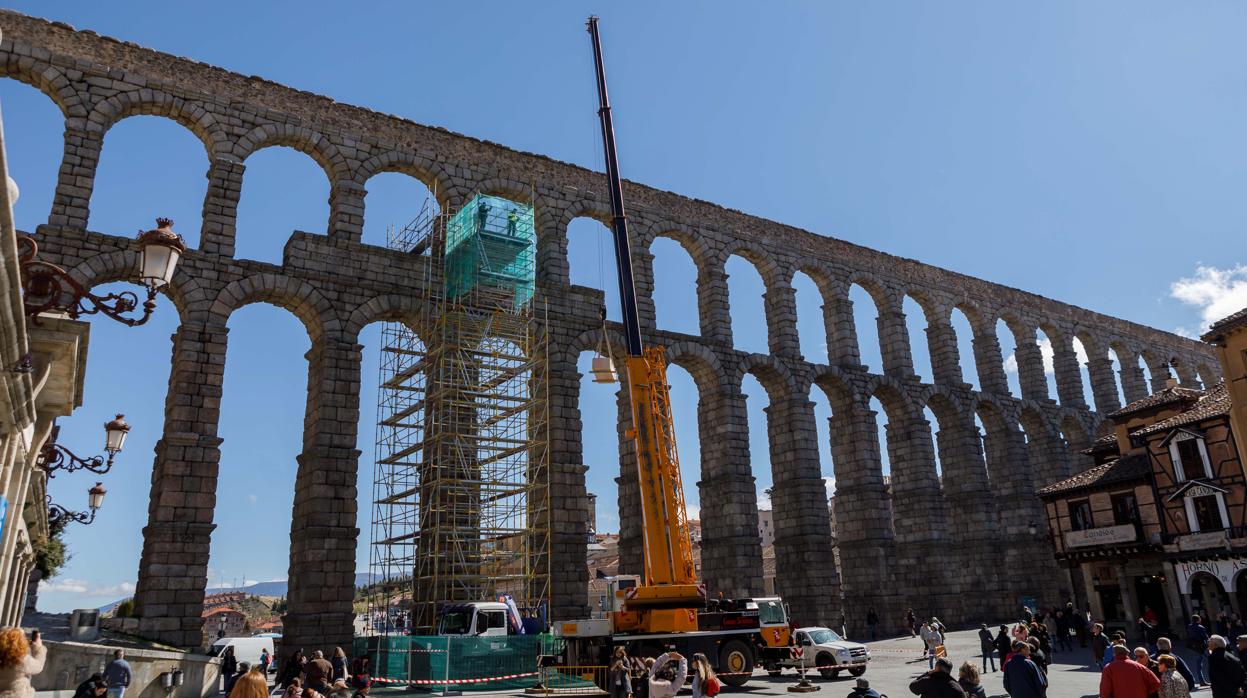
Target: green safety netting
[
  {"x": 490, "y": 243},
  {"x": 506, "y": 662}
]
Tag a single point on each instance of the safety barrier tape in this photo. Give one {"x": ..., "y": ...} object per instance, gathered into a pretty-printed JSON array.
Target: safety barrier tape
[{"x": 429, "y": 682}]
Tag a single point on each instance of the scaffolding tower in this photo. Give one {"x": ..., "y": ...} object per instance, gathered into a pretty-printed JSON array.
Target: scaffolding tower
[{"x": 461, "y": 486}]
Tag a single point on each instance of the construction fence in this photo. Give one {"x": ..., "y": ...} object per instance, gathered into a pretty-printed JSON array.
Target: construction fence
[{"x": 499, "y": 663}]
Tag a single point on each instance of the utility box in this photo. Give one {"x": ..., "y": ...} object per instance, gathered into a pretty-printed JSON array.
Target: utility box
[{"x": 84, "y": 625}]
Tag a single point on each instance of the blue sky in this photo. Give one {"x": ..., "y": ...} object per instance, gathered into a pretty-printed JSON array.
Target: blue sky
[{"x": 1089, "y": 152}]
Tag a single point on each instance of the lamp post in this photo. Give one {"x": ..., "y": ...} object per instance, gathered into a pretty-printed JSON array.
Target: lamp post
[
  {"x": 55, "y": 457},
  {"x": 48, "y": 287},
  {"x": 60, "y": 516}
]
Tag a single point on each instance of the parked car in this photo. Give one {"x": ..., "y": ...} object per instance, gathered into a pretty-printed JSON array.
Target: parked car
[
  {"x": 823, "y": 649},
  {"x": 246, "y": 649}
]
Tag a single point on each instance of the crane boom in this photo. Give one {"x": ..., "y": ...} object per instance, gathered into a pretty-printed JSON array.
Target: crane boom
[{"x": 669, "y": 584}]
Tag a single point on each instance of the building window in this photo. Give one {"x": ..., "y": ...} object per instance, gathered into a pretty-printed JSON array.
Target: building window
[
  {"x": 1125, "y": 509},
  {"x": 1207, "y": 511},
  {"x": 1080, "y": 515},
  {"x": 1190, "y": 457}
]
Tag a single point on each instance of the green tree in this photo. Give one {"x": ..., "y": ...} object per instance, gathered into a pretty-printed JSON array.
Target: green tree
[{"x": 51, "y": 555}]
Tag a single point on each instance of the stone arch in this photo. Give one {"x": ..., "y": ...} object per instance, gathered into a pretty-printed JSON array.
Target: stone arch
[
  {"x": 1077, "y": 438},
  {"x": 302, "y": 299},
  {"x": 772, "y": 273},
  {"x": 771, "y": 373},
  {"x": 390, "y": 307},
  {"x": 1048, "y": 458},
  {"x": 430, "y": 173},
  {"x": 700, "y": 362},
  {"x": 48, "y": 79},
  {"x": 122, "y": 265},
  {"x": 836, "y": 386},
  {"x": 108, "y": 112},
  {"x": 697, "y": 248},
  {"x": 300, "y": 138}
]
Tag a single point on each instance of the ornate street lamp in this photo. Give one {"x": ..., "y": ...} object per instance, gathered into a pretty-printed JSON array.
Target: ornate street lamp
[
  {"x": 46, "y": 286},
  {"x": 55, "y": 457},
  {"x": 58, "y": 514}
]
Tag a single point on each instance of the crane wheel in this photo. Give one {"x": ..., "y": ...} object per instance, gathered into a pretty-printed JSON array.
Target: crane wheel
[{"x": 735, "y": 660}]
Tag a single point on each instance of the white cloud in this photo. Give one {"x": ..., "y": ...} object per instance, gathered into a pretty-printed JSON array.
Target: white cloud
[
  {"x": 252, "y": 498},
  {"x": 68, "y": 585},
  {"x": 1215, "y": 292}
]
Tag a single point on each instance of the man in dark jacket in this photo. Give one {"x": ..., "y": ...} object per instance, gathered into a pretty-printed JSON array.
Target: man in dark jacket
[
  {"x": 1099, "y": 643},
  {"x": 1225, "y": 672},
  {"x": 987, "y": 645},
  {"x": 1165, "y": 646},
  {"x": 1022, "y": 678},
  {"x": 1004, "y": 645},
  {"x": 938, "y": 683},
  {"x": 863, "y": 690}
]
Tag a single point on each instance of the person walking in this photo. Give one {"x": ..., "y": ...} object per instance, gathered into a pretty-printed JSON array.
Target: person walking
[
  {"x": 1062, "y": 623},
  {"x": 318, "y": 671},
  {"x": 20, "y": 659},
  {"x": 1126, "y": 678},
  {"x": 703, "y": 676},
  {"x": 1165, "y": 646},
  {"x": 229, "y": 667},
  {"x": 938, "y": 682},
  {"x": 290, "y": 669},
  {"x": 863, "y": 690},
  {"x": 1003, "y": 645},
  {"x": 666, "y": 676},
  {"x": 1197, "y": 640},
  {"x": 1225, "y": 671},
  {"x": 618, "y": 678},
  {"x": 1022, "y": 678},
  {"x": 265, "y": 660},
  {"x": 1077, "y": 621},
  {"x": 872, "y": 622},
  {"x": 1172, "y": 684},
  {"x": 968, "y": 678},
  {"x": 931, "y": 639},
  {"x": 911, "y": 621},
  {"x": 338, "y": 664},
  {"x": 118, "y": 675},
  {"x": 1099, "y": 643},
  {"x": 987, "y": 645}
]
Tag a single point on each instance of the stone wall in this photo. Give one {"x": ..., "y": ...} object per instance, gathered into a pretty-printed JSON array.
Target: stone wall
[
  {"x": 70, "y": 663},
  {"x": 958, "y": 546}
]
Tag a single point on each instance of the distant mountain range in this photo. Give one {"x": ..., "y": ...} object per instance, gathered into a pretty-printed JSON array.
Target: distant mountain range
[{"x": 277, "y": 588}]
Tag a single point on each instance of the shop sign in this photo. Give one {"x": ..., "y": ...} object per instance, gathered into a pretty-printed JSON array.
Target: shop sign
[
  {"x": 1101, "y": 536},
  {"x": 1200, "y": 541},
  {"x": 1224, "y": 570}
]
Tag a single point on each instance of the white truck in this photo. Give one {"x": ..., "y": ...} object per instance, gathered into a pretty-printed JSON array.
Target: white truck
[{"x": 823, "y": 649}]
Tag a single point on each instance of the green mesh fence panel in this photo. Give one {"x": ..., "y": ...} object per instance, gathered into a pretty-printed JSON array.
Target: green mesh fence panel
[
  {"x": 490, "y": 243},
  {"x": 507, "y": 662}
]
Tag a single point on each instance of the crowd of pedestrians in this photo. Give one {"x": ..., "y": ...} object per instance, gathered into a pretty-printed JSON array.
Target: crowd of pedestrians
[{"x": 318, "y": 677}]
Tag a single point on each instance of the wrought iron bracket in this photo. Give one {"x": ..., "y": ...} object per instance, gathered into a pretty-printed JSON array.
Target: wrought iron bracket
[
  {"x": 55, "y": 457},
  {"x": 59, "y": 515},
  {"x": 46, "y": 286}
]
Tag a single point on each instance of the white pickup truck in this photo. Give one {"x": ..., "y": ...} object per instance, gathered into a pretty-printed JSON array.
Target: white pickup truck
[{"x": 830, "y": 653}]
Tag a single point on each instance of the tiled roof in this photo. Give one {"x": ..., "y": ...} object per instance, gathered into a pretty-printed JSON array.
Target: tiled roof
[
  {"x": 1157, "y": 399},
  {"x": 1108, "y": 442},
  {"x": 1128, "y": 467},
  {"x": 1225, "y": 324},
  {"x": 1215, "y": 404}
]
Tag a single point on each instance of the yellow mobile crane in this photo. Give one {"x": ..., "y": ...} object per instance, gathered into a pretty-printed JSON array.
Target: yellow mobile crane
[{"x": 667, "y": 607}]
